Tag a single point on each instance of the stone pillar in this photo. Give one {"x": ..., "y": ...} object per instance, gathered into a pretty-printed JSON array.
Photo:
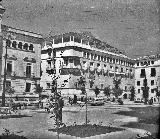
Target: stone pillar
[{"x": 62, "y": 39}]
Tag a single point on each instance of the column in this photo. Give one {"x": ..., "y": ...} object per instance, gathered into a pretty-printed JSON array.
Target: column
[{"x": 62, "y": 39}]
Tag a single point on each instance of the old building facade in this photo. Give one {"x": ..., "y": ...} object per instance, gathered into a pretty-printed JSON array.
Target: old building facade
[
  {"x": 23, "y": 59},
  {"x": 149, "y": 67},
  {"x": 21, "y": 51},
  {"x": 81, "y": 54}
]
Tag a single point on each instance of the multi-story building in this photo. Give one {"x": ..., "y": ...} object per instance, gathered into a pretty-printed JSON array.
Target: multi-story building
[
  {"x": 147, "y": 67},
  {"x": 23, "y": 59},
  {"x": 81, "y": 54},
  {"x": 46, "y": 65}
]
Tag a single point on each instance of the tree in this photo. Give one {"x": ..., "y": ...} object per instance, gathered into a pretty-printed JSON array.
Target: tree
[
  {"x": 106, "y": 91},
  {"x": 145, "y": 90},
  {"x": 116, "y": 82},
  {"x": 81, "y": 83},
  {"x": 117, "y": 90},
  {"x": 97, "y": 91},
  {"x": 10, "y": 90},
  {"x": 132, "y": 90}
]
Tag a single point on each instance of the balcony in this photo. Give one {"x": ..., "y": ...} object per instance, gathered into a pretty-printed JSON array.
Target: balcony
[{"x": 68, "y": 71}]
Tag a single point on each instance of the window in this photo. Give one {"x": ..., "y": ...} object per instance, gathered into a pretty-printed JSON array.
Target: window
[
  {"x": 116, "y": 69},
  {"x": 138, "y": 83},
  {"x": 143, "y": 73},
  {"x": 139, "y": 90},
  {"x": 84, "y": 62},
  {"x": 14, "y": 44},
  {"x": 95, "y": 56},
  {"x": 102, "y": 58},
  {"x": 71, "y": 60},
  {"x": 91, "y": 63},
  {"x": 113, "y": 60},
  {"x": 121, "y": 69},
  {"x": 108, "y": 59},
  {"x": 8, "y": 84},
  {"x": 9, "y": 66},
  {"x": 20, "y": 45},
  {"x": 125, "y": 87},
  {"x": 98, "y": 65},
  {"x": 8, "y": 43},
  {"x": 91, "y": 56},
  {"x": 28, "y": 87},
  {"x": 28, "y": 69},
  {"x": 31, "y": 47},
  {"x": 153, "y": 72},
  {"x": 152, "y": 82},
  {"x": 152, "y": 90},
  {"x": 152, "y": 62},
  {"x": 98, "y": 57},
  {"x": 117, "y": 61},
  {"x": 88, "y": 55},
  {"x": 105, "y": 66},
  {"x": 48, "y": 85},
  {"x": 25, "y": 46},
  {"x": 84, "y": 54},
  {"x": 111, "y": 67}
]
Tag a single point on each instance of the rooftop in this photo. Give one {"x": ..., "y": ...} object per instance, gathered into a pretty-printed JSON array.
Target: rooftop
[{"x": 88, "y": 37}]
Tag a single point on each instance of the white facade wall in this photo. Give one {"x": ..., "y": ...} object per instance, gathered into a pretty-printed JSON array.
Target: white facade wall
[{"x": 149, "y": 78}]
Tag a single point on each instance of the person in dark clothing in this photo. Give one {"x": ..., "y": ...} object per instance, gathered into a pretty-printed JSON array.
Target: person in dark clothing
[
  {"x": 151, "y": 101},
  {"x": 60, "y": 105}
]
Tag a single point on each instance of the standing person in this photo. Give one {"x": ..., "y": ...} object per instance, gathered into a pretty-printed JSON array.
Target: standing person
[{"x": 60, "y": 106}]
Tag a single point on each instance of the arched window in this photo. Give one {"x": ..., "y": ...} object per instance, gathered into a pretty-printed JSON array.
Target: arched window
[
  {"x": 8, "y": 43},
  {"x": 20, "y": 45},
  {"x": 31, "y": 47},
  {"x": 25, "y": 46},
  {"x": 14, "y": 43}
]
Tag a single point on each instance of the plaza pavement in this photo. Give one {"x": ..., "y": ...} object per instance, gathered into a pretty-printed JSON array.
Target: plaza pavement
[{"x": 36, "y": 127}]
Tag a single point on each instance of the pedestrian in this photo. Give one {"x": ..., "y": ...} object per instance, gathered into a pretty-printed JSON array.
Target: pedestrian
[
  {"x": 151, "y": 101},
  {"x": 60, "y": 106}
]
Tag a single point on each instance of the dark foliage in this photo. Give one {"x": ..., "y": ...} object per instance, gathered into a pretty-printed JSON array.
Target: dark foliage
[
  {"x": 97, "y": 91},
  {"x": 86, "y": 130}
]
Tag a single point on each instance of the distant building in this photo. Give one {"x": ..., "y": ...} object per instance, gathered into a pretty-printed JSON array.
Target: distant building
[
  {"x": 23, "y": 58},
  {"x": 81, "y": 54},
  {"x": 148, "y": 66}
]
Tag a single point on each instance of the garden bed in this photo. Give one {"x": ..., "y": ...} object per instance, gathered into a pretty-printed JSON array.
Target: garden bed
[{"x": 86, "y": 130}]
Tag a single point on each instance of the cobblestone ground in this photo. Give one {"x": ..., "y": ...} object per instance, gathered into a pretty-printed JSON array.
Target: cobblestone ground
[{"x": 37, "y": 126}]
